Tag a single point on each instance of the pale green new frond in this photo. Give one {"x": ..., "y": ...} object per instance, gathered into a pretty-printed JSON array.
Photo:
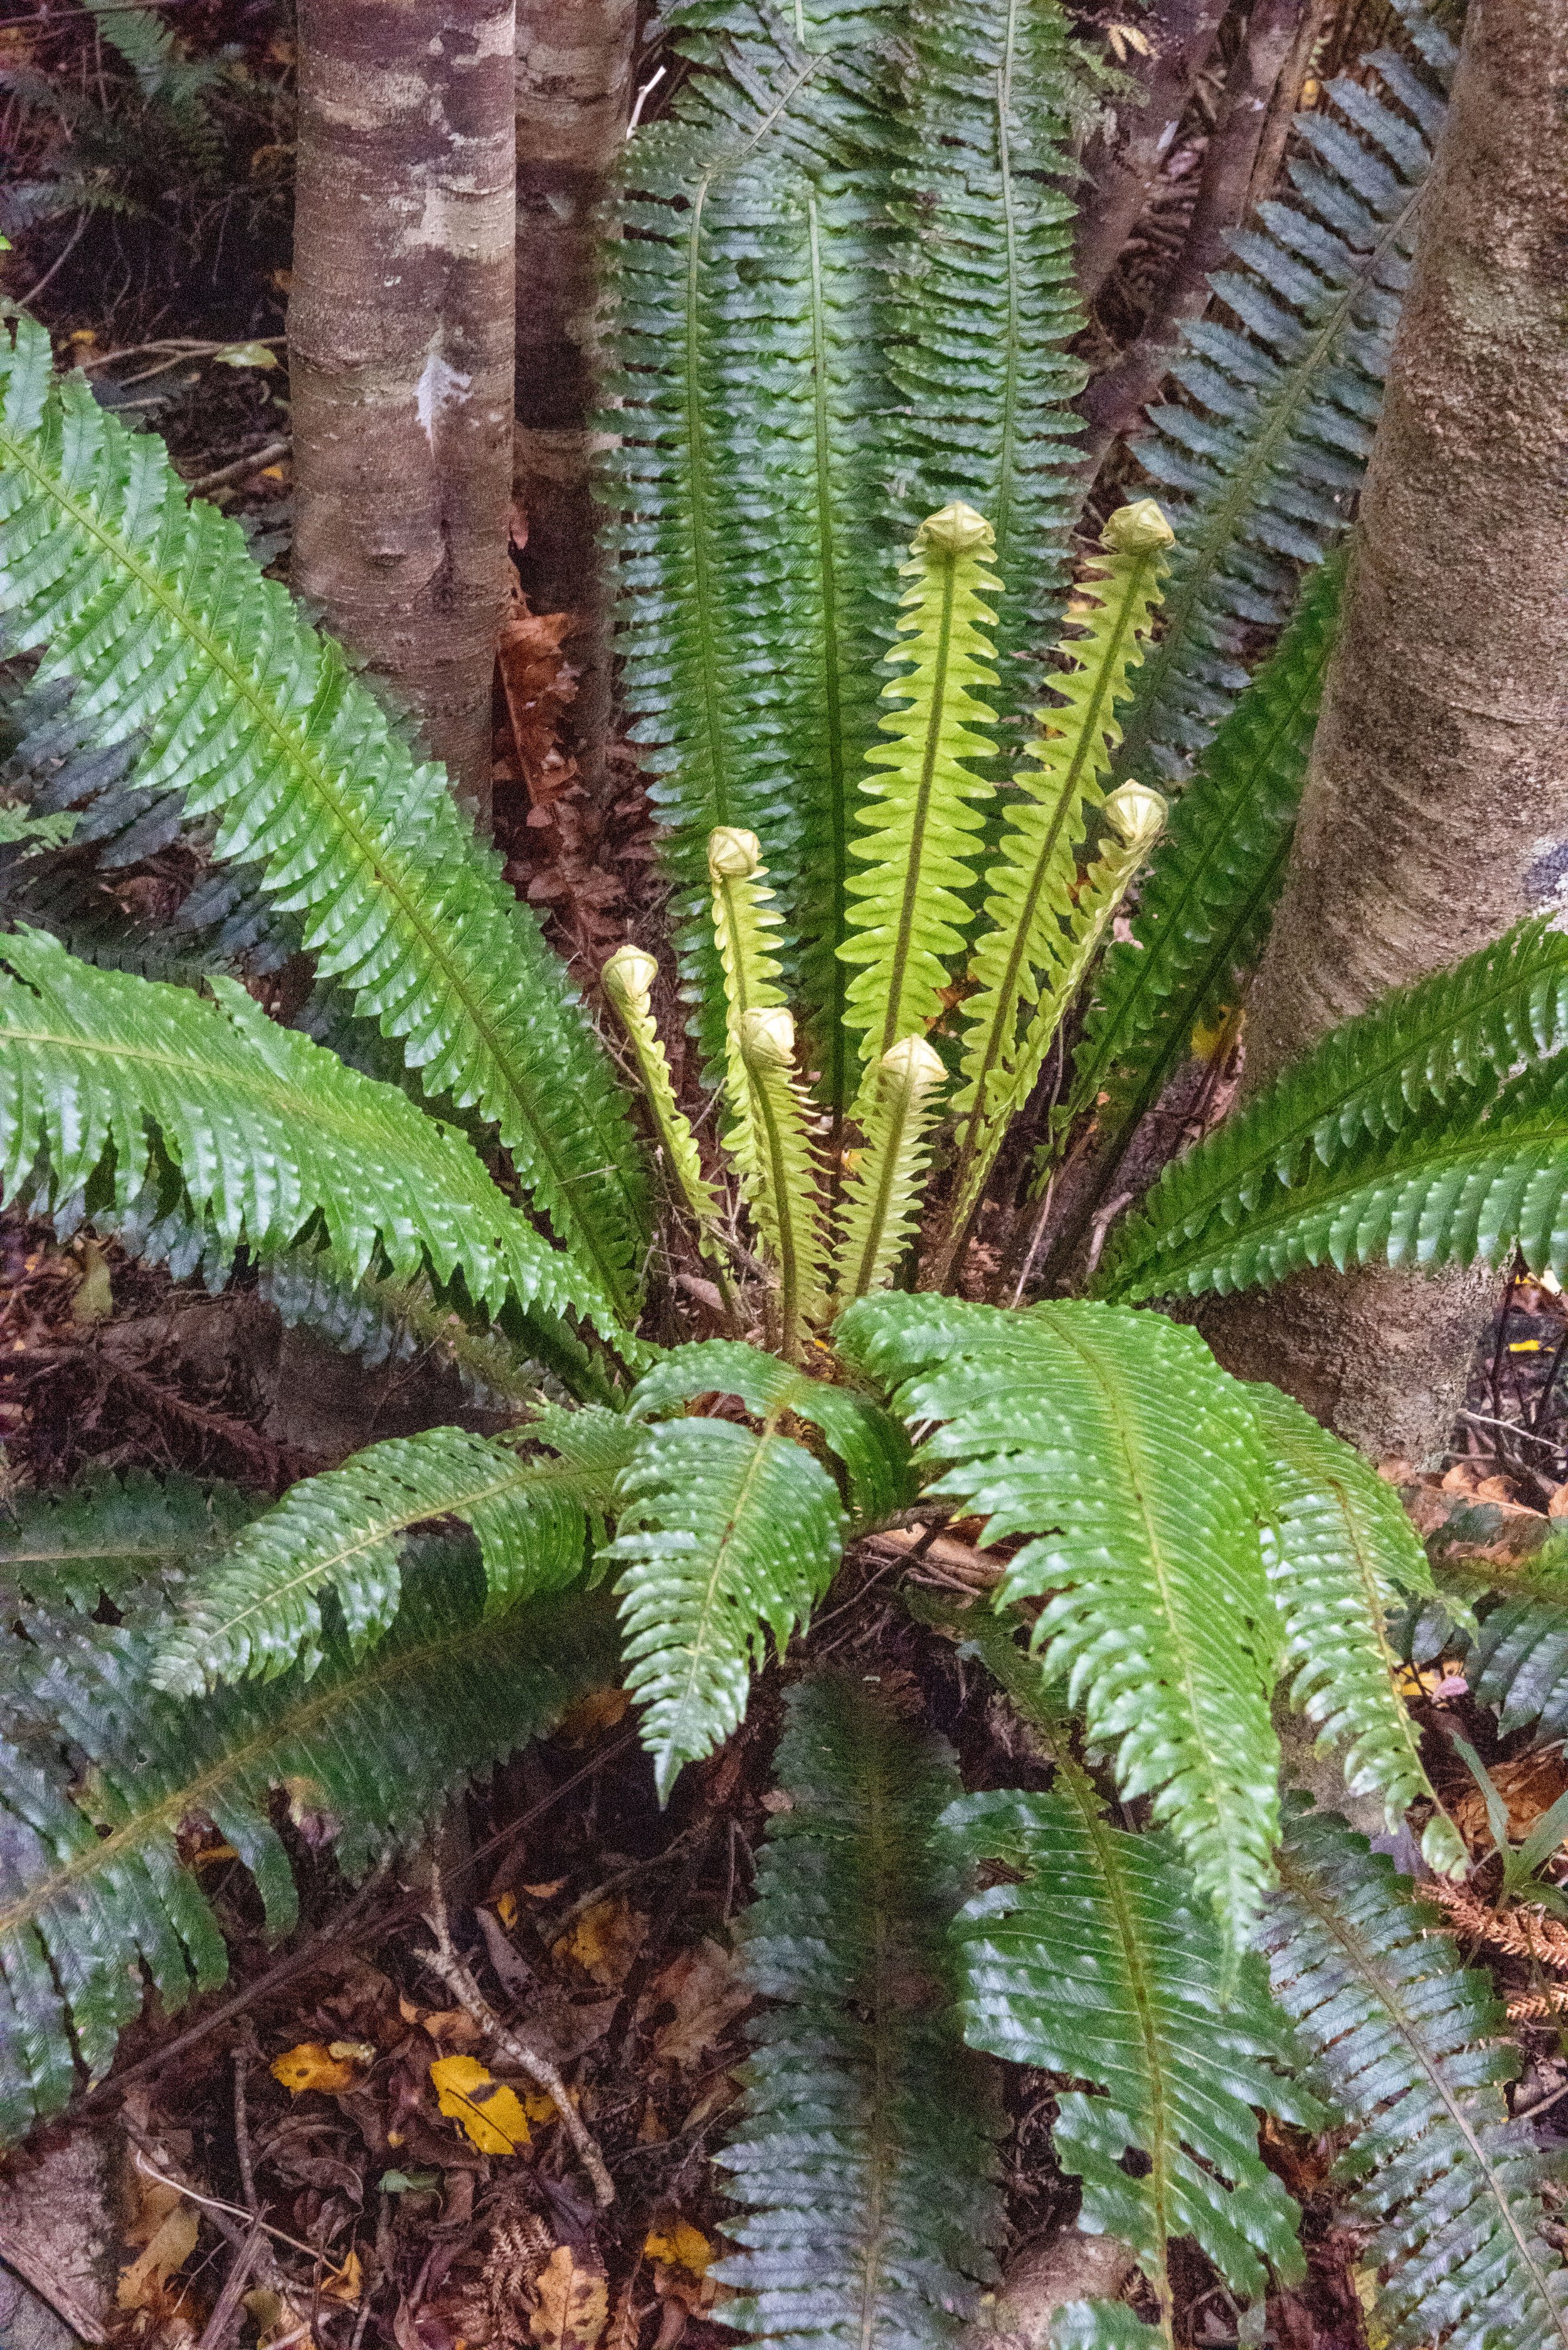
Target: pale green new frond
[
  {"x": 1028, "y": 888},
  {"x": 746, "y": 921},
  {"x": 258, "y": 1609},
  {"x": 870, "y": 1443},
  {"x": 627, "y": 980},
  {"x": 725, "y": 1535},
  {"x": 1341, "y": 1554},
  {"x": 96, "y": 1903},
  {"x": 864, "y": 2161},
  {"x": 180, "y": 645},
  {"x": 1448, "y": 2185},
  {"x": 264, "y": 1132},
  {"x": 1116, "y": 1445},
  {"x": 879, "y": 1212},
  {"x": 916, "y": 841},
  {"x": 779, "y": 1171}
]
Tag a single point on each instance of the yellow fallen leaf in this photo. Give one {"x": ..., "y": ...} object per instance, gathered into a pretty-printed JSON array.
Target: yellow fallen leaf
[
  {"x": 346, "y": 2283},
  {"x": 169, "y": 2247},
  {"x": 679, "y": 2246},
  {"x": 488, "y": 2110},
  {"x": 605, "y": 1940},
  {"x": 506, "y": 1909},
  {"x": 312, "y": 2066},
  {"x": 572, "y": 2301},
  {"x": 1214, "y": 1037}
]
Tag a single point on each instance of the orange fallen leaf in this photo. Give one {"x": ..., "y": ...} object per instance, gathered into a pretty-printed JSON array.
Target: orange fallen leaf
[
  {"x": 490, "y": 2112},
  {"x": 572, "y": 2301},
  {"x": 600, "y": 1710},
  {"x": 312, "y": 2066}
]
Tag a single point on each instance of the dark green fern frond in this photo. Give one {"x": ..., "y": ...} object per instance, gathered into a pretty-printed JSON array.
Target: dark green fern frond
[
  {"x": 1352, "y": 1149},
  {"x": 986, "y": 304},
  {"x": 258, "y": 1609},
  {"x": 1115, "y": 1442},
  {"x": 175, "y": 638},
  {"x": 868, "y": 1441},
  {"x": 92, "y": 1889},
  {"x": 1519, "y": 1662},
  {"x": 1205, "y": 902},
  {"x": 865, "y": 2158},
  {"x": 106, "y": 1535},
  {"x": 1261, "y": 462},
  {"x": 261, "y": 1131},
  {"x": 755, "y": 551},
  {"x": 1409, "y": 2042},
  {"x": 725, "y": 1535},
  {"x": 1342, "y": 1554}
]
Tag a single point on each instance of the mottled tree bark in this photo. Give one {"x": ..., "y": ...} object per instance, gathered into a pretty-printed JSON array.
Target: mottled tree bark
[
  {"x": 1115, "y": 401},
  {"x": 573, "y": 90},
  {"x": 1120, "y": 168},
  {"x": 1436, "y": 809},
  {"x": 401, "y": 347}
]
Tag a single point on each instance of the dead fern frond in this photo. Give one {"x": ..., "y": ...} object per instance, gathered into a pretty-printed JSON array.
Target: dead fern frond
[{"x": 1525, "y": 1932}]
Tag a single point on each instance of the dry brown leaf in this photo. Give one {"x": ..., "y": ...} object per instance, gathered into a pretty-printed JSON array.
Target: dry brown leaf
[
  {"x": 600, "y": 1710},
  {"x": 311, "y": 2066},
  {"x": 605, "y": 1939},
  {"x": 1529, "y": 1787},
  {"x": 707, "y": 1994},
  {"x": 572, "y": 2300},
  {"x": 489, "y": 2112},
  {"x": 144, "y": 2283}
]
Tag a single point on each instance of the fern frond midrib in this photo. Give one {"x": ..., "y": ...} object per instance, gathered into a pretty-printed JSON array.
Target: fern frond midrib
[
  {"x": 1013, "y": 357},
  {"x": 700, "y": 531},
  {"x": 169, "y": 1810},
  {"x": 1088, "y": 741},
  {"x": 837, "y": 976},
  {"x": 1207, "y": 550},
  {"x": 892, "y": 1022},
  {"x": 1365, "y": 1960},
  {"x": 121, "y": 553},
  {"x": 321, "y": 1566}
]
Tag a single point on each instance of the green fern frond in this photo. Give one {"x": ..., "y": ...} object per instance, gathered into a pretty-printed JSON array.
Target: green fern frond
[
  {"x": 879, "y": 1212},
  {"x": 1351, "y": 1150},
  {"x": 868, "y": 1442},
  {"x": 92, "y": 1888},
  {"x": 263, "y": 1131},
  {"x": 755, "y": 551},
  {"x": 105, "y": 1536},
  {"x": 1341, "y": 1556},
  {"x": 1204, "y": 906},
  {"x": 746, "y": 922},
  {"x": 627, "y": 980},
  {"x": 781, "y": 1183},
  {"x": 865, "y": 2159},
  {"x": 1029, "y": 888},
  {"x": 725, "y": 1535},
  {"x": 258, "y": 1610},
  {"x": 907, "y": 919},
  {"x": 1115, "y": 1442},
  {"x": 1261, "y": 458},
  {"x": 1409, "y": 2042},
  {"x": 1100, "y": 1964},
  {"x": 985, "y": 304},
  {"x": 176, "y": 640},
  {"x": 1519, "y": 1663}
]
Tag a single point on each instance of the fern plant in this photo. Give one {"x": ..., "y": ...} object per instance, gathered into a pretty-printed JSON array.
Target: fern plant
[{"x": 931, "y": 939}]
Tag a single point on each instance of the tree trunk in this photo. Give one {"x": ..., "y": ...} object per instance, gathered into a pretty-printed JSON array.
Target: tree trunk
[
  {"x": 573, "y": 90},
  {"x": 1436, "y": 809},
  {"x": 400, "y": 349},
  {"x": 1120, "y": 168}
]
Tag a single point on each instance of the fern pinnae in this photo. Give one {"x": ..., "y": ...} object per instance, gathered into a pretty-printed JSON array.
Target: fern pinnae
[
  {"x": 253, "y": 719},
  {"x": 1341, "y": 1554},
  {"x": 907, "y": 919},
  {"x": 781, "y": 1183},
  {"x": 880, "y": 1206}
]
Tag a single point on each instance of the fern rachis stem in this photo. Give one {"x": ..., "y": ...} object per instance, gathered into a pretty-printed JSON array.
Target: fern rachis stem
[
  {"x": 893, "y": 1023},
  {"x": 778, "y": 1176}
]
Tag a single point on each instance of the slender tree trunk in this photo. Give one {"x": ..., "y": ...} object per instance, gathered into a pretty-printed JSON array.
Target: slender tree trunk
[
  {"x": 574, "y": 90},
  {"x": 1436, "y": 810},
  {"x": 401, "y": 347},
  {"x": 1114, "y": 403},
  {"x": 1120, "y": 168}
]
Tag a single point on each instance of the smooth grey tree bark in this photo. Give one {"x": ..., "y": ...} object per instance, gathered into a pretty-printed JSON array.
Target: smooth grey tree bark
[
  {"x": 1435, "y": 809},
  {"x": 401, "y": 330}
]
